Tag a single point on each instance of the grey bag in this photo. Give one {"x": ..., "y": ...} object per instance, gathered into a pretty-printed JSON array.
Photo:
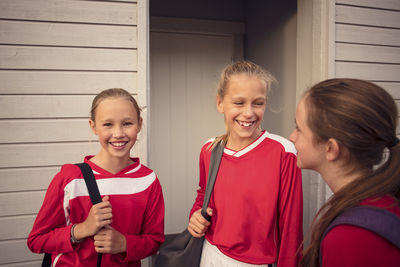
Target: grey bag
[{"x": 185, "y": 250}]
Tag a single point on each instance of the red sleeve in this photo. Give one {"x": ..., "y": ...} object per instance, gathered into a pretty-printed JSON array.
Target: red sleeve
[
  {"x": 348, "y": 246},
  {"x": 50, "y": 233},
  {"x": 290, "y": 212},
  {"x": 147, "y": 243},
  {"x": 202, "y": 182}
]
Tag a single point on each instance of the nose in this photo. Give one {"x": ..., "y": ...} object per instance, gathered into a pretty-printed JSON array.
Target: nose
[
  {"x": 248, "y": 111},
  {"x": 118, "y": 132}
]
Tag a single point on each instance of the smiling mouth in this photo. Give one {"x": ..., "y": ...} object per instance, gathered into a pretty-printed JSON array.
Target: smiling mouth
[
  {"x": 246, "y": 123},
  {"x": 118, "y": 144}
]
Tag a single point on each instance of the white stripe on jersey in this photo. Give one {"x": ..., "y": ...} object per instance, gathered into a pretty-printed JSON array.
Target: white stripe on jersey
[{"x": 108, "y": 186}]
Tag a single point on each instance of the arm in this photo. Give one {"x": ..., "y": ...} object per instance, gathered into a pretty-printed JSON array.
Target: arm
[
  {"x": 152, "y": 236},
  {"x": 290, "y": 219},
  {"x": 50, "y": 233}
]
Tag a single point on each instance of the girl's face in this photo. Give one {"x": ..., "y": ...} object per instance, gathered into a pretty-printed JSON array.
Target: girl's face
[
  {"x": 243, "y": 107},
  {"x": 309, "y": 153},
  {"x": 117, "y": 125}
]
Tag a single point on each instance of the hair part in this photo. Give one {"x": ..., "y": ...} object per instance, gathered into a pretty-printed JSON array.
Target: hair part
[
  {"x": 113, "y": 93},
  {"x": 362, "y": 117}
]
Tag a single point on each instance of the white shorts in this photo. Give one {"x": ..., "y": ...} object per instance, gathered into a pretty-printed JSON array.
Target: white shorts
[{"x": 213, "y": 257}]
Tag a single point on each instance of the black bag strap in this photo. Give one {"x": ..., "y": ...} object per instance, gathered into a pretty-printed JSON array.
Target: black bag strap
[
  {"x": 215, "y": 160},
  {"x": 375, "y": 219},
  {"x": 94, "y": 192}
]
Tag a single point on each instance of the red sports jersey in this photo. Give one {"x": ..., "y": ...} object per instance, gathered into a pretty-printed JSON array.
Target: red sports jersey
[
  {"x": 257, "y": 202},
  {"x": 137, "y": 207},
  {"x": 349, "y": 246}
]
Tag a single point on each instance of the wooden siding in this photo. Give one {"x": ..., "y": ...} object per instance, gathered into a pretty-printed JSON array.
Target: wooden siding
[
  {"x": 55, "y": 56},
  {"x": 367, "y": 42}
]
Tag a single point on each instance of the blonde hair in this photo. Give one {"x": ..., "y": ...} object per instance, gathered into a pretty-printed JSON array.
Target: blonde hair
[
  {"x": 242, "y": 67},
  {"x": 113, "y": 93}
]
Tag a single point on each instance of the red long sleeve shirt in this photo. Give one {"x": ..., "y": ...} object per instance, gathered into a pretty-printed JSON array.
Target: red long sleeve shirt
[
  {"x": 137, "y": 207},
  {"x": 257, "y": 202}
]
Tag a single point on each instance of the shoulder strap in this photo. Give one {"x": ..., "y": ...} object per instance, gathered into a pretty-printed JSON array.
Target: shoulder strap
[
  {"x": 215, "y": 160},
  {"x": 94, "y": 192},
  {"x": 90, "y": 181},
  {"x": 378, "y": 220}
]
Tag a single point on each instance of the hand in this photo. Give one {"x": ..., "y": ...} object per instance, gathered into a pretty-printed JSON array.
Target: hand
[
  {"x": 198, "y": 225},
  {"x": 109, "y": 240},
  {"x": 99, "y": 216}
]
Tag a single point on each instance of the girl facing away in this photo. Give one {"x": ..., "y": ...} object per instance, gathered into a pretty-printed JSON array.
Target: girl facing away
[
  {"x": 128, "y": 225},
  {"x": 344, "y": 128},
  {"x": 256, "y": 207}
]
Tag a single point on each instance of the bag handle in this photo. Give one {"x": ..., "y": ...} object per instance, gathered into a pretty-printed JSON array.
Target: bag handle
[
  {"x": 215, "y": 160},
  {"x": 94, "y": 192}
]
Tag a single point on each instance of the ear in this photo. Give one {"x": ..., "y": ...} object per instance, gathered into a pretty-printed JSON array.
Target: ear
[
  {"x": 220, "y": 107},
  {"x": 140, "y": 124},
  {"x": 332, "y": 149},
  {"x": 92, "y": 126}
]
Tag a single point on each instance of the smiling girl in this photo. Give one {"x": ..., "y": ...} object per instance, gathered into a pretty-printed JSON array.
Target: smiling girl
[
  {"x": 129, "y": 224},
  {"x": 256, "y": 208}
]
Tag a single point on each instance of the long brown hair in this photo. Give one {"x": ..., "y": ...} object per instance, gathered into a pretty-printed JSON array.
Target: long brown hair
[
  {"x": 241, "y": 67},
  {"x": 362, "y": 117}
]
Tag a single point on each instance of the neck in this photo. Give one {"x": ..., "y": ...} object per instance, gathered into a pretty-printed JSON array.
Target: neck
[
  {"x": 337, "y": 178},
  {"x": 237, "y": 143},
  {"x": 112, "y": 165}
]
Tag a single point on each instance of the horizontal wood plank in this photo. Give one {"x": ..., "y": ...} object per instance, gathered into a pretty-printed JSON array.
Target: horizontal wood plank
[
  {"x": 21, "y": 203},
  {"x": 35, "y": 58},
  {"x": 64, "y": 82},
  {"x": 367, "y": 35},
  {"x": 31, "y": 155},
  {"x": 42, "y": 106},
  {"x": 35, "y": 263},
  {"x": 387, "y": 4},
  {"x": 367, "y": 53},
  {"x": 51, "y": 154},
  {"x": 392, "y": 88},
  {"x": 27, "y": 179},
  {"x": 367, "y": 16},
  {"x": 101, "y": 12},
  {"x": 64, "y": 34},
  {"x": 16, "y": 227},
  {"x": 51, "y": 130},
  {"x": 368, "y": 71},
  {"x": 16, "y": 251}
]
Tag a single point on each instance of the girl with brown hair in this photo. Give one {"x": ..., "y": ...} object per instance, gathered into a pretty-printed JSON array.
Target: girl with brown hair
[{"x": 346, "y": 131}]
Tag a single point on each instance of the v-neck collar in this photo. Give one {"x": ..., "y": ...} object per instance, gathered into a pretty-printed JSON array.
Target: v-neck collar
[
  {"x": 134, "y": 167},
  {"x": 247, "y": 148}
]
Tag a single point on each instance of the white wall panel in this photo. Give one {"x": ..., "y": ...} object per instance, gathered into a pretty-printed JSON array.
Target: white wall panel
[
  {"x": 367, "y": 53},
  {"x": 375, "y": 72},
  {"x": 45, "y": 106},
  {"x": 367, "y": 16},
  {"x": 367, "y": 35},
  {"x": 67, "y": 34},
  {"x": 64, "y": 82},
  {"x": 46, "y": 154},
  {"x": 27, "y": 179},
  {"x": 61, "y": 58},
  {"x": 16, "y": 251},
  {"x": 58, "y": 130},
  {"x": 101, "y": 12},
  {"x": 384, "y": 4}
]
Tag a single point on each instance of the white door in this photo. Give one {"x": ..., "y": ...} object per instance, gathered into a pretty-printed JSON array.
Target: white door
[{"x": 184, "y": 71}]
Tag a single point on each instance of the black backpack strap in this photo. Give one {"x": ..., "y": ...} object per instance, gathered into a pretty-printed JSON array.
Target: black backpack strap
[
  {"x": 378, "y": 220},
  {"x": 215, "y": 160},
  {"x": 94, "y": 192}
]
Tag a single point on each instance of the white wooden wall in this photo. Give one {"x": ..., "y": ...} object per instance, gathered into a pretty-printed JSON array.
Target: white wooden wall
[
  {"x": 367, "y": 42},
  {"x": 55, "y": 56}
]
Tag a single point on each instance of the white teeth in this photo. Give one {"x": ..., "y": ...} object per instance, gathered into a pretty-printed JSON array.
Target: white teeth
[
  {"x": 118, "y": 144},
  {"x": 245, "y": 124}
]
